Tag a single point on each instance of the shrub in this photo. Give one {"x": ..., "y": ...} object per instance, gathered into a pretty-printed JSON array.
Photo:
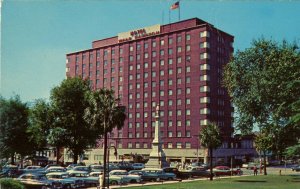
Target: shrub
[{"x": 6, "y": 183}]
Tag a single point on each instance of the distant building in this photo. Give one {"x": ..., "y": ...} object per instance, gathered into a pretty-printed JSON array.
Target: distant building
[{"x": 178, "y": 66}]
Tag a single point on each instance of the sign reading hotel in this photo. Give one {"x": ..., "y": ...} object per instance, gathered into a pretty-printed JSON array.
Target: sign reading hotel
[{"x": 139, "y": 33}]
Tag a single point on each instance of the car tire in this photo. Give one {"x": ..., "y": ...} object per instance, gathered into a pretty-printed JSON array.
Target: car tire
[
  {"x": 157, "y": 179},
  {"x": 114, "y": 182},
  {"x": 170, "y": 178},
  {"x": 67, "y": 187}
]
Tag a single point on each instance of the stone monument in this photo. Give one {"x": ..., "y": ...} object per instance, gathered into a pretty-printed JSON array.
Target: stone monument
[{"x": 157, "y": 157}]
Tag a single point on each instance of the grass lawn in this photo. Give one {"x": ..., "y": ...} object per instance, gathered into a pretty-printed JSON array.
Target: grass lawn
[{"x": 247, "y": 182}]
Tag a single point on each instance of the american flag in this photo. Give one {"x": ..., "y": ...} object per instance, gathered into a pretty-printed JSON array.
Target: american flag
[{"x": 175, "y": 6}]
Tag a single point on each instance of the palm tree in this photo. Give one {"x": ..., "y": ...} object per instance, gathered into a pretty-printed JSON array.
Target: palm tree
[
  {"x": 210, "y": 138},
  {"x": 105, "y": 114}
]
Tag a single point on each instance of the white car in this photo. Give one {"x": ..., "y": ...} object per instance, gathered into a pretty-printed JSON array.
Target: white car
[
  {"x": 126, "y": 177},
  {"x": 138, "y": 166}
]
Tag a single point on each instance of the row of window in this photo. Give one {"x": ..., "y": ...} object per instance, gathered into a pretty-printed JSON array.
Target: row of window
[
  {"x": 169, "y": 145},
  {"x": 170, "y": 134}
]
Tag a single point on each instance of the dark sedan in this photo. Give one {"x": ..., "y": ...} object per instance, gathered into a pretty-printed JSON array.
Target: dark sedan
[{"x": 38, "y": 181}]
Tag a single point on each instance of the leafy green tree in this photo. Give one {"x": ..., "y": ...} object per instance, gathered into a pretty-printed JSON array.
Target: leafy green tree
[
  {"x": 104, "y": 114},
  {"x": 69, "y": 102},
  {"x": 293, "y": 151},
  {"x": 263, "y": 143},
  {"x": 211, "y": 139},
  {"x": 57, "y": 138},
  {"x": 261, "y": 81},
  {"x": 13, "y": 128}
]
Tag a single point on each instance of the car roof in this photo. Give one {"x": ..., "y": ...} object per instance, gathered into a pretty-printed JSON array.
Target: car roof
[
  {"x": 152, "y": 169},
  {"x": 57, "y": 173}
]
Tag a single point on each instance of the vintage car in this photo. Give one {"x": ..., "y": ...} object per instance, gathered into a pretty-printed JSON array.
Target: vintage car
[
  {"x": 126, "y": 177},
  {"x": 296, "y": 168},
  {"x": 83, "y": 175},
  {"x": 190, "y": 172},
  {"x": 38, "y": 181},
  {"x": 161, "y": 174},
  {"x": 225, "y": 170},
  {"x": 138, "y": 166},
  {"x": 80, "y": 168},
  {"x": 65, "y": 179}
]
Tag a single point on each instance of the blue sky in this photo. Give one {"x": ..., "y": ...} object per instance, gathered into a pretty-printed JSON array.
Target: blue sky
[{"x": 36, "y": 35}]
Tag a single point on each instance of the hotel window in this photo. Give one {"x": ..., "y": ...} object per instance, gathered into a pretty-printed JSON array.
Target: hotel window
[
  {"x": 203, "y": 122},
  {"x": 145, "y": 124},
  {"x": 153, "y": 64},
  {"x": 137, "y": 145},
  {"x": 170, "y": 82},
  {"x": 188, "y": 123},
  {"x": 120, "y": 87},
  {"x": 130, "y": 77},
  {"x": 188, "y": 112},
  {"x": 170, "y": 60},
  {"x": 153, "y": 74},
  {"x": 188, "y": 58},
  {"x": 138, "y": 76},
  {"x": 204, "y": 34},
  {"x": 138, "y": 95},
  {"x": 145, "y": 114},
  {"x": 170, "y": 145},
  {"x": 170, "y": 51},
  {"x": 97, "y": 81},
  {"x": 162, "y": 73},
  {"x": 145, "y": 145},
  {"x": 146, "y": 55},
  {"x": 170, "y": 40},
  {"x": 178, "y": 39},
  {"x": 105, "y": 62},
  {"x": 178, "y": 133},
  {"x": 153, "y": 84},
  {"x": 170, "y": 71},
  {"x": 145, "y": 84},
  {"x": 130, "y": 96},
  {"x": 204, "y": 89},
  {"x": 138, "y": 115},
  {"x": 170, "y": 102},
  {"x": 97, "y": 72},
  {"x": 204, "y": 78},
  {"x": 179, "y": 49},
  {"x": 145, "y": 75},
  {"x": 131, "y": 48},
  {"x": 170, "y": 134},
  {"x": 187, "y": 79},
  {"x": 145, "y": 134},
  {"x": 138, "y": 46},
  {"x": 188, "y": 145},
  {"x": 188, "y": 134},
  {"x": 161, "y": 82},
  {"x": 188, "y": 47},
  {"x": 121, "y": 51},
  {"x": 188, "y": 101},
  {"x": 91, "y": 65},
  {"x": 188, "y": 37},
  {"x": 129, "y": 145},
  {"x": 83, "y": 57},
  {"x": 83, "y": 66},
  {"x": 146, "y": 65},
  {"x": 170, "y": 123},
  {"x": 204, "y": 111},
  {"x": 129, "y": 125},
  {"x": 145, "y": 95},
  {"x": 153, "y": 53},
  {"x": 170, "y": 113},
  {"x": 204, "y": 56},
  {"x": 130, "y": 86},
  {"x": 146, "y": 45},
  {"x": 179, "y": 81},
  {"x": 145, "y": 104},
  {"x": 204, "y": 45},
  {"x": 179, "y": 91},
  {"x": 179, "y": 60},
  {"x": 178, "y": 102},
  {"x": 98, "y": 54},
  {"x": 138, "y": 66},
  {"x": 162, "y": 42},
  {"x": 204, "y": 67},
  {"x": 105, "y": 52},
  {"x": 178, "y": 145},
  {"x": 188, "y": 69},
  {"x": 138, "y": 85},
  {"x": 120, "y": 78},
  {"x": 138, "y": 56},
  {"x": 162, "y": 62},
  {"x": 153, "y": 43},
  {"x": 113, "y": 51},
  {"x": 161, "y": 52},
  {"x": 112, "y": 61},
  {"x": 112, "y": 70},
  {"x": 170, "y": 92},
  {"x": 162, "y": 93},
  {"x": 178, "y": 112},
  {"x": 178, "y": 123},
  {"x": 161, "y": 103},
  {"x": 130, "y": 58},
  {"x": 137, "y": 135},
  {"x": 98, "y": 63},
  {"x": 105, "y": 71},
  {"x": 130, "y": 106},
  {"x": 153, "y": 94},
  {"x": 112, "y": 79},
  {"x": 188, "y": 90}
]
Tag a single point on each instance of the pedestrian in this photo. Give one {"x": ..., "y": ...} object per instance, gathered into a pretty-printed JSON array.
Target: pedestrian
[{"x": 255, "y": 170}]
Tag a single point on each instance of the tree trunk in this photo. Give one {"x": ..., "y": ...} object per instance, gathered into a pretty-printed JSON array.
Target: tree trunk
[
  {"x": 104, "y": 159},
  {"x": 75, "y": 158},
  {"x": 12, "y": 157},
  {"x": 265, "y": 166},
  {"x": 211, "y": 163},
  {"x": 57, "y": 155}
]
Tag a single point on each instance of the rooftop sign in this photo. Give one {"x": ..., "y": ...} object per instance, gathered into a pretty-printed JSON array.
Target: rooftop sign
[{"x": 139, "y": 33}]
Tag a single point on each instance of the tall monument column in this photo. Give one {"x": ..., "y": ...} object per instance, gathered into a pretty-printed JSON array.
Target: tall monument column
[{"x": 157, "y": 157}]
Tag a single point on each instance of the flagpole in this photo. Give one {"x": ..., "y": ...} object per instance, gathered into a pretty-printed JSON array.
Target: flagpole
[
  {"x": 169, "y": 16},
  {"x": 179, "y": 10}
]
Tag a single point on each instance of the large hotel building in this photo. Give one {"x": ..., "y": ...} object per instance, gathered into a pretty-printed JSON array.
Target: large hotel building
[{"x": 177, "y": 66}]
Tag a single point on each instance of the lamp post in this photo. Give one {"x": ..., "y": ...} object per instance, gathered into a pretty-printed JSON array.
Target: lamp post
[{"x": 116, "y": 154}]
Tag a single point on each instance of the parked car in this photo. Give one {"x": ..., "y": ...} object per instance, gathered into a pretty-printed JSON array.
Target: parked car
[
  {"x": 252, "y": 165},
  {"x": 80, "y": 168},
  {"x": 225, "y": 170},
  {"x": 296, "y": 168},
  {"x": 138, "y": 166},
  {"x": 162, "y": 175},
  {"x": 95, "y": 173},
  {"x": 83, "y": 175},
  {"x": 38, "y": 181},
  {"x": 96, "y": 168},
  {"x": 194, "y": 171},
  {"x": 126, "y": 177},
  {"x": 11, "y": 171},
  {"x": 65, "y": 179},
  {"x": 54, "y": 169},
  {"x": 124, "y": 166}
]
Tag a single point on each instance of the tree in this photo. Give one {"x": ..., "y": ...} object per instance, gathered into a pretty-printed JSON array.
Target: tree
[
  {"x": 13, "y": 128},
  {"x": 293, "y": 151},
  {"x": 104, "y": 114},
  {"x": 210, "y": 138},
  {"x": 263, "y": 143},
  {"x": 68, "y": 101},
  {"x": 57, "y": 138},
  {"x": 261, "y": 82}
]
